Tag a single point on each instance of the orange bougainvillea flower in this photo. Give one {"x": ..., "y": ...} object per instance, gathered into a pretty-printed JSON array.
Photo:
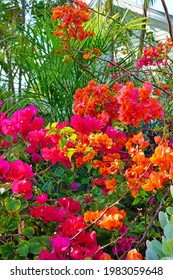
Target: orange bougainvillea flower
[
  {"x": 87, "y": 55},
  {"x": 135, "y": 143},
  {"x": 57, "y": 52},
  {"x": 111, "y": 219},
  {"x": 100, "y": 141},
  {"x": 97, "y": 101},
  {"x": 110, "y": 184},
  {"x": 134, "y": 255},
  {"x": 105, "y": 257},
  {"x": 108, "y": 167},
  {"x": 162, "y": 157},
  {"x": 72, "y": 19},
  {"x": 96, "y": 51},
  {"x": 169, "y": 42},
  {"x": 155, "y": 181}
]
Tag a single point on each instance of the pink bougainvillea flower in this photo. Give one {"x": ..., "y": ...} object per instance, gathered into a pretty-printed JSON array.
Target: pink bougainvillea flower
[
  {"x": 55, "y": 155},
  {"x": 48, "y": 213},
  {"x": 8, "y": 126},
  {"x": 68, "y": 204},
  {"x": 85, "y": 125},
  {"x": 42, "y": 198},
  {"x": 61, "y": 125},
  {"x": 4, "y": 167},
  {"x": 37, "y": 123},
  {"x": 36, "y": 157},
  {"x": 20, "y": 170},
  {"x": 123, "y": 245},
  {"x": 44, "y": 255},
  {"x": 74, "y": 186},
  {"x": 23, "y": 187},
  {"x": 61, "y": 244}
]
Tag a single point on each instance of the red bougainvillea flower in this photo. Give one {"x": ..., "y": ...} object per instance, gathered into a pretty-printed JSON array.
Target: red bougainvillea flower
[
  {"x": 48, "y": 213},
  {"x": 23, "y": 187},
  {"x": 134, "y": 255},
  {"x": 19, "y": 170},
  {"x": 4, "y": 167},
  {"x": 55, "y": 155},
  {"x": 42, "y": 198},
  {"x": 69, "y": 204}
]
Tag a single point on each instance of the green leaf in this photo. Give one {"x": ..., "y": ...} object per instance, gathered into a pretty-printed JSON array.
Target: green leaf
[
  {"x": 163, "y": 218},
  {"x": 35, "y": 248},
  {"x": 70, "y": 153},
  {"x": 7, "y": 251},
  {"x": 67, "y": 130},
  {"x": 62, "y": 142},
  {"x": 157, "y": 247},
  {"x": 23, "y": 249},
  {"x": 73, "y": 136},
  {"x": 29, "y": 231},
  {"x": 171, "y": 190},
  {"x": 136, "y": 200},
  {"x": 45, "y": 241},
  {"x": 168, "y": 231},
  {"x": 151, "y": 255},
  {"x": 165, "y": 246},
  {"x": 7, "y": 138},
  {"x": 89, "y": 166},
  {"x": 2, "y": 225},
  {"x": 96, "y": 191},
  {"x": 12, "y": 205},
  {"x": 170, "y": 243},
  {"x": 85, "y": 181},
  {"x": 167, "y": 258},
  {"x": 59, "y": 172},
  {"x": 169, "y": 210},
  {"x": 35, "y": 240},
  {"x": 24, "y": 205},
  {"x": 171, "y": 219},
  {"x": 11, "y": 222}
]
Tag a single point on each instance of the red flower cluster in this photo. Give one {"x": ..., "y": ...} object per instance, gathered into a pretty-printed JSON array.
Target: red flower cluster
[
  {"x": 72, "y": 19},
  {"x": 64, "y": 246},
  {"x": 155, "y": 55},
  {"x": 136, "y": 105},
  {"x": 96, "y": 100}
]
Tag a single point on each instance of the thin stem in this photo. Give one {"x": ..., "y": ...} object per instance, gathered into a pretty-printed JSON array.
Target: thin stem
[
  {"x": 153, "y": 219},
  {"x": 168, "y": 19}
]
